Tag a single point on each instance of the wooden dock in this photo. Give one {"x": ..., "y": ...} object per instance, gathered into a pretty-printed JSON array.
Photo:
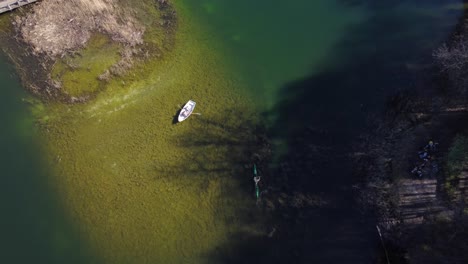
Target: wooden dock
[{"x": 8, "y": 5}]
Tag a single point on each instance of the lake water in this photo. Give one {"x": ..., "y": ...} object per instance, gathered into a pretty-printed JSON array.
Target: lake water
[
  {"x": 316, "y": 69},
  {"x": 33, "y": 221},
  {"x": 320, "y": 69}
]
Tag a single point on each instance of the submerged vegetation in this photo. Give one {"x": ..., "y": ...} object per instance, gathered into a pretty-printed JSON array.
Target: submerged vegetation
[
  {"x": 423, "y": 217},
  {"x": 457, "y": 163},
  {"x": 82, "y": 74}
]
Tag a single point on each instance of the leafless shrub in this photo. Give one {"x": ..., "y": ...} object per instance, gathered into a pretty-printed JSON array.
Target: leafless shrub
[
  {"x": 453, "y": 58},
  {"x": 55, "y": 84},
  {"x": 453, "y": 61}
]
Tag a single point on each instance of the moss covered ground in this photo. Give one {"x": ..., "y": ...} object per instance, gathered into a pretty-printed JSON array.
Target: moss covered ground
[{"x": 140, "y": 188}]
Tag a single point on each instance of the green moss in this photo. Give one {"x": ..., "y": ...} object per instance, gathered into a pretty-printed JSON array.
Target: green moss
[{"x": 79, "y": 73}]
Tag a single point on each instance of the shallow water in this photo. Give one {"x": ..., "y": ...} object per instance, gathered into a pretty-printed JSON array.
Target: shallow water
[
  {"x": 35, "y": 226},
  {"x": 124, "y": 185}
]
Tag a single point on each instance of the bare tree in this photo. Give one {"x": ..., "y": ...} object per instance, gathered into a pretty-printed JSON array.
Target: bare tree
[{"x": 452, "y": 60}]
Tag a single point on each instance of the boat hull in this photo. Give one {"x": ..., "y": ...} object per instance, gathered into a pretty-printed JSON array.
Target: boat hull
[{"x": 186, "y": 111}]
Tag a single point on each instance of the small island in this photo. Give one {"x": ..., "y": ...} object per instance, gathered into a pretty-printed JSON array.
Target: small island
[{"x": 68, "y": 45}]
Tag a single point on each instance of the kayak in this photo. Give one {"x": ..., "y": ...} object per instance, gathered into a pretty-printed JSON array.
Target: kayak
[
  {"x": 256, "y": 180},
  {"x": 186, "y": 110}
]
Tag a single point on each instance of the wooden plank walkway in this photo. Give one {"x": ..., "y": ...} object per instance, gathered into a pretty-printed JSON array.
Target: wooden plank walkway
[
  {"x": 8, "y": 5},
  {"x": 418, "y": 201}
]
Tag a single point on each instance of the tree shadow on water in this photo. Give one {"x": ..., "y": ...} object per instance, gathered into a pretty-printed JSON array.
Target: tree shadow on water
[
  {"x": 226, "y": 145},
  {"x": 317, "y": 123}
]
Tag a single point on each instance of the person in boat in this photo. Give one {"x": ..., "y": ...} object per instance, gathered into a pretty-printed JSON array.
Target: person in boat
[
  {"x": 431, "y": 147},
  {"x": 185, "y": 111}
]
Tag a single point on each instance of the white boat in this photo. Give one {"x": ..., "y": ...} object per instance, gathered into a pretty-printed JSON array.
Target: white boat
[{"x": 186, "y": 110}]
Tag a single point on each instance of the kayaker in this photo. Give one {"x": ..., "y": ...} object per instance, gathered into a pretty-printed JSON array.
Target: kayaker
[{"x": 256, "y": 179}]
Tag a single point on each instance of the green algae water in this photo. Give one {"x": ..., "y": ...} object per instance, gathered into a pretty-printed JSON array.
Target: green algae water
[{"x": 115, "y": 180}]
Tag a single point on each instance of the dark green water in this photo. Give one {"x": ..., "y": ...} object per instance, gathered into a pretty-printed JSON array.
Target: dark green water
[
  {"x": 318, "y": 68},
  {"x": 274, "y": 42},
  {"x": 34, "y": 226}
]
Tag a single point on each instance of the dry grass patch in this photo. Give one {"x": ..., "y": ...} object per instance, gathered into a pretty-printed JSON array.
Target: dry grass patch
[{"x": 56, "y": 33}]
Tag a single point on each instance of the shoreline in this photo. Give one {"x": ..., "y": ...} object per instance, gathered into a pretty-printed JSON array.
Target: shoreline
[
  {"x": 43, "y": 83},
  {"x": 413, "y": 212}
]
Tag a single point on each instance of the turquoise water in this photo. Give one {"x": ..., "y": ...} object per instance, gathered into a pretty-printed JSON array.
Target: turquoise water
[{"x": 318, "y": 68}]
